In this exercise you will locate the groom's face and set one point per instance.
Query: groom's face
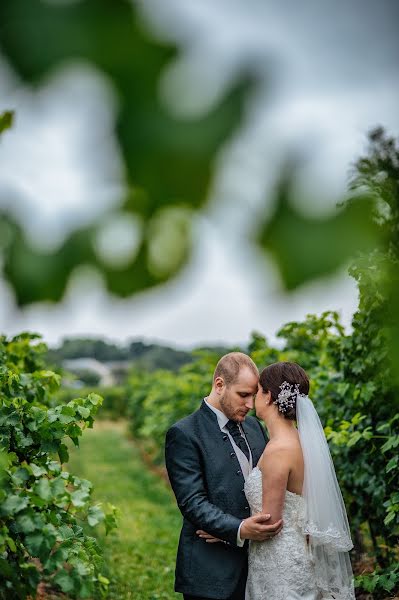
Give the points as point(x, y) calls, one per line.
point(238, 398)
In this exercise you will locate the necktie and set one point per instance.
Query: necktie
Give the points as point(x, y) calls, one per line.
point(239, 440)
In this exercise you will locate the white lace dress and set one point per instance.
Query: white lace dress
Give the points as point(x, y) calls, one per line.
point(280, 568)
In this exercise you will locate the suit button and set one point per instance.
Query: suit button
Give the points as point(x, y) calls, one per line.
point(232, 454)
point(238, 472)
point(247, 508)
point(225, 437)
point(243, 490)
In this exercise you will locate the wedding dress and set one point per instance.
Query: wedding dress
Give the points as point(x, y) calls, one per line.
point(280, 568)
point(286, 567)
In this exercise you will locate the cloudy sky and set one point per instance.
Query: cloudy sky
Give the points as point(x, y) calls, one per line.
point(330, 75)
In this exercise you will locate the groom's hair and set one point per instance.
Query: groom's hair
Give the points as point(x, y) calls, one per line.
point(230, 364)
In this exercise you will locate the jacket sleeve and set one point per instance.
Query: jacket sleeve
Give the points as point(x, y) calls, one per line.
point(183, 464)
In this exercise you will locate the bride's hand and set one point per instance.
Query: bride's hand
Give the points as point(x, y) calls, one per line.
point(210, 539)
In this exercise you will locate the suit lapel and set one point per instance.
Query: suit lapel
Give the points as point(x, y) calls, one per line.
point(222, 445)
point(253, 434)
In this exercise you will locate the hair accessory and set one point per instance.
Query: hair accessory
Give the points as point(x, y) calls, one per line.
point(287, 397)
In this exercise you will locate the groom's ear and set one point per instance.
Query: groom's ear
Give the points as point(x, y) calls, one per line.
point(219, 384)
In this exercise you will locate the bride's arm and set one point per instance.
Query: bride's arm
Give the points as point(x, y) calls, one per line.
point(275, 467)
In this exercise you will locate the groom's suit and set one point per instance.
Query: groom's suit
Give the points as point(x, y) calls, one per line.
point(208, 483)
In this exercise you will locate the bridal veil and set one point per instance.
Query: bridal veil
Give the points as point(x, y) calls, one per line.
point(326, 521)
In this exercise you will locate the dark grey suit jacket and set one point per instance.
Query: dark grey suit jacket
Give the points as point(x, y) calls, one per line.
point(209, 487)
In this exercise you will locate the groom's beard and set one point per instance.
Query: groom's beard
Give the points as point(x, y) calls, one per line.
point(230, 409)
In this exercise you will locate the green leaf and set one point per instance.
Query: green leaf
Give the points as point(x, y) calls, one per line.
point(68, 410)
point(63, 453)
point(37, 471)
point(13, 504)
point(64, 580)
point(84, 412)
point(394, 498)
point(95, 515)
point(6, 569)
point(43, 489)
point(168, 162)
point(6, 120)
point(66, 418)
point(11, 544)
point(305, 247)
point(65, 532)
point(58, 487)
point(392, 442)
point(95, 399)
point(389, 518)
point(20, 476)
point(25, 524)
point(80, 498)
point(33, 543)
point(392, 464)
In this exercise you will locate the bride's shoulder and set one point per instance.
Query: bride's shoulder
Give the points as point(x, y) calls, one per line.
point(281, 447)
point(274, 449)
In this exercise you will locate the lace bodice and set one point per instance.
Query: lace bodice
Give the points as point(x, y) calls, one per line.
point(294, 506)
point(280, 568)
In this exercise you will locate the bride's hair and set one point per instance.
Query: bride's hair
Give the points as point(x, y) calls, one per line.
point(272, 378)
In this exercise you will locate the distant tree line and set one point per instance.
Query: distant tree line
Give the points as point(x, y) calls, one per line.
point(142, 355)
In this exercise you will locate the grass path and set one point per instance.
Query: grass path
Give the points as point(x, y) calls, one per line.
point(140, 555)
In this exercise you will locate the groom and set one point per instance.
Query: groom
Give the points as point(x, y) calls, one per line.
point(209, 454)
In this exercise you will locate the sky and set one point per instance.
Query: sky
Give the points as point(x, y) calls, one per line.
point(330, 74)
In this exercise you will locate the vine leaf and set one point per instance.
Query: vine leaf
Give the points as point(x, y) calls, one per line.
point(169, 160)
point(306, 247)
point(6, 120)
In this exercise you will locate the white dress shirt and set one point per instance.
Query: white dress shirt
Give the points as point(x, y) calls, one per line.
point(245, 464)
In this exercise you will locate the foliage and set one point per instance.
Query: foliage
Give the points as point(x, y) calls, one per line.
point(115, 399)
point(355, 380)
point(87, 377)
point(139, 556)
point(42, 506)
point(6, 120)
point(138, 353)
point(378, 174)
point(159, 399)
point(380, 581)
point(308, 254)
point(169, 162)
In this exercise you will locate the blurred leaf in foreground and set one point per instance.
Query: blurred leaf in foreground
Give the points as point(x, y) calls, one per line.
point(169, 160)
point(6, 120)
point(305, 248)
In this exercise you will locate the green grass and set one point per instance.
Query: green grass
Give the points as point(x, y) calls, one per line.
point(140, 555)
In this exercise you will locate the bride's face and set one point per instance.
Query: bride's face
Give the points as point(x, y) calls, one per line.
point(238, 398)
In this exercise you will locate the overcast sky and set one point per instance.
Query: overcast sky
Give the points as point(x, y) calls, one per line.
point(334, 77)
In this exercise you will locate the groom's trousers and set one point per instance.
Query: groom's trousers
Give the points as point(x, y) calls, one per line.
point(238, 594)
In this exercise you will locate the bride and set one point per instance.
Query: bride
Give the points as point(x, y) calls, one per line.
point(295, 480)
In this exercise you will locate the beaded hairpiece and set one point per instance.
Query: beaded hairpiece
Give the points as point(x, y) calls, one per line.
point(287, 397)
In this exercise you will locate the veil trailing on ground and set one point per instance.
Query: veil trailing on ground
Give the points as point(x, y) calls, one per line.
point(326, 521)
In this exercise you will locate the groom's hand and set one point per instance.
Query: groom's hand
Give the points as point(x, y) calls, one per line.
point(210, 539)
point(255, 528)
